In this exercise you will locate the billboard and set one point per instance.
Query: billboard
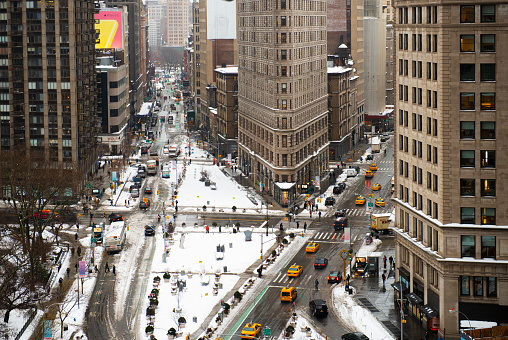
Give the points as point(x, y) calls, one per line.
point(110, 28)
point(221, 19)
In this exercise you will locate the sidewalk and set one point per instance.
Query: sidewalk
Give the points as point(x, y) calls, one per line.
point(379, 301)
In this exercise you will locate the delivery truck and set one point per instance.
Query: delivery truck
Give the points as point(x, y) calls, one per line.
point(380, 222)
point(375, 146)
point(114, 239)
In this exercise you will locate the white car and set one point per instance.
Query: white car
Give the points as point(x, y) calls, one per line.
point(165, 151)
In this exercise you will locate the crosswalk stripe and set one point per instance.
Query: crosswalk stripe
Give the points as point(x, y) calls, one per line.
point(307, 280)
point(277, 278)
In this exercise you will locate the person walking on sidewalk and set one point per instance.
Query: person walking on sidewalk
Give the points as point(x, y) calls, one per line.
point(106, 268)
point(391, 262)
point(114, 270)
point(304, 226)
point(383, 277)
point(207, 229)
point(384, 261)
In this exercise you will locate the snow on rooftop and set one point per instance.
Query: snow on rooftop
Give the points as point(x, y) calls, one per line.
point(227, 70)
point(338, 69)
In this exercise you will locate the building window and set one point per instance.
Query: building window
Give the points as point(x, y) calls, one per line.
point(488, 158)
point(284, 88)
point(488, 130)
point(283, 38)
point(283, 71)
point(488, 42)
point(283, 21)
point(467, 215)
point(488, 101)
point(488, 247)
point(467, 14)
point(478, 286)
point(467, 158)
point(468, 245)
point(467, 130)
point(467, 101)
point(284, 141)
point(488, 72)
point(284, 123)
point(464, 285)
point(488, 13)
point(283, 54)
point(488, 216)
point(282, 4)
point(284, 160)
point(467, 72)
point(467, 187)
point(284, 104)
point(488, 187)
point(467, 43)
point(491, 287)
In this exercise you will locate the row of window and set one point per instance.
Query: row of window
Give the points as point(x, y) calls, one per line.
point(487, 159)
point(487, 216)
point(432, 237)
point(417, 149)
point(417, 96)
point(418, 122)
point(487, 43)
point(482, 286)
point(432, 207)
point(487, 13)
point(417, 42)
point(468, 130)
point(468, 246)
point(468, 187)
point(487, 101)
point(417, 69)
point(487, 72)
point(417, 14)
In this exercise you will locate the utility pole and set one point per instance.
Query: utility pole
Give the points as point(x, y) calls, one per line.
point(400, 301)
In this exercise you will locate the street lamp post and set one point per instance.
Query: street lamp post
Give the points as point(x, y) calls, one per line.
point(452, 311)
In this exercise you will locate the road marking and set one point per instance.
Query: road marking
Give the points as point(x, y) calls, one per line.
point(244, 315)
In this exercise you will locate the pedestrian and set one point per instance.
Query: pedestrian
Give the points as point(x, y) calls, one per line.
point(79, 251)
point(106, 268)
point(297, 224)
point(91, 216)
point(347, 279)
point(96, 269)
point(72, 251)
point(59, 267)
point(76, 266)
point(383, 277)
point(316, 283)
point(310, 213)
point(174, 217)
point(60, 281)
point(391, 262)
point(319, 215)
point(75, 236)
point(260, 270)
point(281, 227)
point(384, 261)
point(207, 229)
point(158, 218)
point(77, 226)
point(305, 226)
point(114, 270)
point(68, 271)
point(220, 227)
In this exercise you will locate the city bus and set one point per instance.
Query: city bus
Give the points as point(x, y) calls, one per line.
point(115, 237)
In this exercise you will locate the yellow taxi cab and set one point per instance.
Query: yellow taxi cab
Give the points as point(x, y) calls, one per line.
point(369, 174)
point(373, 167)
point(288, 294)
point(376, 186)
point(360, 200)
point(380, 202)
point(250, 331)
point(294, 270)
point(312, 247)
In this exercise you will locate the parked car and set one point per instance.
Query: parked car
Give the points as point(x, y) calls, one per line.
point(354, 336)
point(137, 179)
point(320, 263)
point(144, 204)
point(149, 230)
point(135, 186)
point(318, 307)
point(329, 201)
point(114, 217)
point(135, 193)
point(334, 277)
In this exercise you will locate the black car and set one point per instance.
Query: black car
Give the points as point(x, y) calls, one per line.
point(384, 139)
point(114, 217)
point(137, 179)
point(329, 201)
point(144, 150)
point(354, 336)
point(149, 230)
point(136, 185)
point(144, 205)
point(148, 190)
point(320, 262)
point(340, 213)
point(340, 223)
point(334, 277)
point(318, 307)
point(337, 190)
point(370, 157)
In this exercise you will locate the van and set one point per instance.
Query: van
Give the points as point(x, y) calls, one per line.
point(340, 223)
point(288, 294)
point(351, 172)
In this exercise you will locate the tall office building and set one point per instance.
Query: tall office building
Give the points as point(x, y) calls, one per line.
point(282, 95)
point(157, 14)
point(451, 111)
point(178, 27)
point(47, 87)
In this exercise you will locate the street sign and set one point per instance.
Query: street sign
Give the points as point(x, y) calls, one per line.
point(94, 240)
point(267, 332)
point(88, 185)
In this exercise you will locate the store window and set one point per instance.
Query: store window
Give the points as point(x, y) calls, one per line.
point(467, 101)
point(464, 285)
point(467, 130)
point(492, 287)
point(488, 216)
point(467, 187)
point(488, 247)
point(467, 215)
point(478, 286)
point(468, 248)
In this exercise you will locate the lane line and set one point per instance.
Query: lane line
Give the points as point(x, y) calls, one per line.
point(244, 315)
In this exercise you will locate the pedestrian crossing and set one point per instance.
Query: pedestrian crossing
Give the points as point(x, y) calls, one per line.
point(334, 237)
point(284, 280)
point(362, 211)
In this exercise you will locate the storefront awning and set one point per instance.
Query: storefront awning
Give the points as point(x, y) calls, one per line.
point(397, 286)
point(413, 298)
point(428, 311)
